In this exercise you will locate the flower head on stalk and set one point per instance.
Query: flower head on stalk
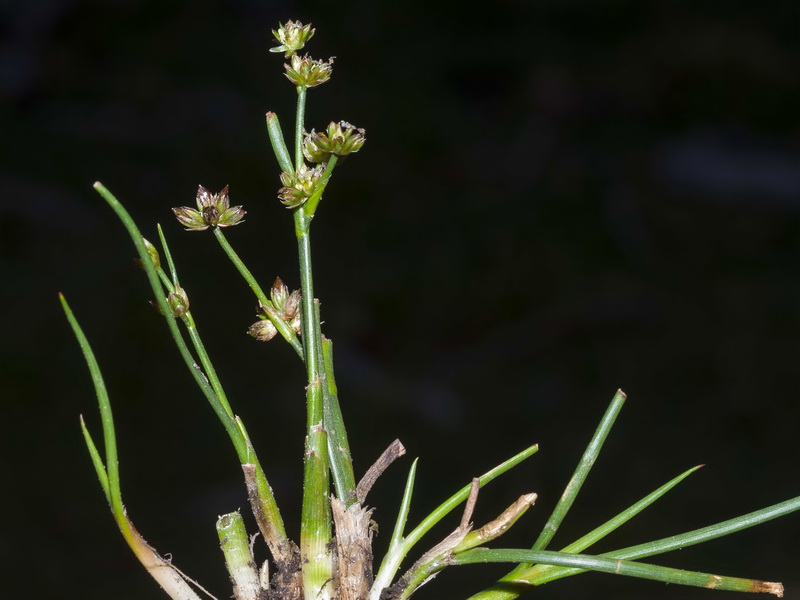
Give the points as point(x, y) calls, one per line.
point(305, 71)
point(292, 37)
point(152, 251)
point(178, 302)
point(340, 139)
point(299, 186)
point(286, 306)
point(213, 210)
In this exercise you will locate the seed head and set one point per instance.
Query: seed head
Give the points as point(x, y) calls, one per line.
point(263, 330)
point(178, 302)
point(285, 307)
point(213, 210)
point(152, 252)
point(289, 310)
point(278, 293)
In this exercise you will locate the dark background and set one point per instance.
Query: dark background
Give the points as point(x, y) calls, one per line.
point(556, 199)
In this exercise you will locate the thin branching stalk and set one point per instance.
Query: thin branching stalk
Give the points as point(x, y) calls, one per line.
point(283, 328)
point(243, 449)
point(158, 291)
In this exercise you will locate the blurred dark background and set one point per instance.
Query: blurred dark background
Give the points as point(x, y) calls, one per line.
point(556, 199)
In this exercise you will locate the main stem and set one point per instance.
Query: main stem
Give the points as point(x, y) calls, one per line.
point(315, 534)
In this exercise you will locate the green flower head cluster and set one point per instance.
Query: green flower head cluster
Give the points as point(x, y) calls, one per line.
point(291, 37)
point(299, 186)
point(303, 71)
point(285, 306)
point(340, 139)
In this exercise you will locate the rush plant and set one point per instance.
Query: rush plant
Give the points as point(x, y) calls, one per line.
point(331, 558)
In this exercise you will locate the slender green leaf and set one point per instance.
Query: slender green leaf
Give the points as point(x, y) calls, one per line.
point(690, 538)
point(392, 560)
point(579, 477)
point(619, 567)
point(168, 255)
point(453, 501)
point(626, 515)
point(576, 482)
point(405, 506)
point(278, 143)
point(110, 483)
point(338, 446)
point(397, 548)
point(97, 461)
point(538, 571)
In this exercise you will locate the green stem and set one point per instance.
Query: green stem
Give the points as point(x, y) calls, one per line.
point(275, 535)
point(160, 299)
point(315, 525)
point(238, 439)
point(238, 556)
point(311, 204)
point(299, 126)
point(283, 328)
point(208, 367)
point(316, 516)
point(191, 327)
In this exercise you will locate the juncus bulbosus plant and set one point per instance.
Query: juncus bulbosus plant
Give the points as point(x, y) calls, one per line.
point(332, 558)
